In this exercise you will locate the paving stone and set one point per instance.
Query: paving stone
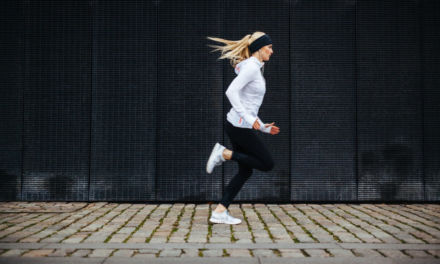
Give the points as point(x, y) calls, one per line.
point(435, 252)
point(190, 252)
point(170, 253)
point(61, 252)
point(340, 252)
point(291, 252)
point(142, 256)
point(81, 253)
point(317, 253)
point(14, 252)
point(123, 253)
point(38, 253)
point(235, 252)
point(362, 252)
point(418, 254)
point(101, 253)
point(392, 253)
point(147, 251)
point(263, 253)
point(213, 253)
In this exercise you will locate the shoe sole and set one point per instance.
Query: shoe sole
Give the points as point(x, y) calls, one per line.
point(222, 222)
point(211, 157)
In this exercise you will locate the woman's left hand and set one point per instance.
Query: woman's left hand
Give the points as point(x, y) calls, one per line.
point(274, 129)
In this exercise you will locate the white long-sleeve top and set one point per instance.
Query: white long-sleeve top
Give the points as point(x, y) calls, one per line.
point(246, 93)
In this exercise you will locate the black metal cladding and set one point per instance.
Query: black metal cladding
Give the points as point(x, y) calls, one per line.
point(323, 111)
point(56, 100)
point(11, 99)
point(123, 101)
point(123, 108)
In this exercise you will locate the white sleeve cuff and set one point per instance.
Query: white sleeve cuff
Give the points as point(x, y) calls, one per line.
point(263, 128)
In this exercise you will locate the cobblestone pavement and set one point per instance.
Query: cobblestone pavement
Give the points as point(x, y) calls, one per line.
point(53, 232)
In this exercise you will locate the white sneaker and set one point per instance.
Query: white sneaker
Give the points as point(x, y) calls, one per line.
point(223, 218)
point(216, 158)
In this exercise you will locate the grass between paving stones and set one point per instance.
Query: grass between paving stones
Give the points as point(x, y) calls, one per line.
point(233, 238)
point(125, 223)
point(57, 222)
point(328, 252)
point(251, 253)
point(264, 224)
point(368, 222)
point(277, 252)
point(406, 253)
point(176, 223)
point(27, 225)
point(422, 213)
point(302, 227)
point(68, 254)
point(291, 234)
point(400, 228)
point(247, 223)
point(209, 234)
point(225, 253)
point(24, 252)
point(79, 218)
point(405, 223)
point(346, 229)
point(396, 211)
point(429, 253)
point(141, 224)
point(304, 252)
point(190, 224)
point(13, 217)
point(74, 221)
point(113, 252)
point(147, 240)
point(201, 251)
point(358, 226)
point(8, 225)
point(99, 217)
point(335, 237)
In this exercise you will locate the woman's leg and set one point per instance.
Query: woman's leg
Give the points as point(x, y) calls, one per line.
point(249, 152)
point(237, 182)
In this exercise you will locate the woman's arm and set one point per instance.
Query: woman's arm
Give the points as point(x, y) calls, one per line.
point(246, 75)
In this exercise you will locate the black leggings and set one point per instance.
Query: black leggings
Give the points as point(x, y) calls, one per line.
point(250, 153)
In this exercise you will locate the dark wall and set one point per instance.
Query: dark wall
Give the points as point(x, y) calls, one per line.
point(123, 100)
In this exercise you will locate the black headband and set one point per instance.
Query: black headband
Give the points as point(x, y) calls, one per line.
point(260, 42)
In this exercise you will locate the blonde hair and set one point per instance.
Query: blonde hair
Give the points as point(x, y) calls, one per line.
point(235, 50)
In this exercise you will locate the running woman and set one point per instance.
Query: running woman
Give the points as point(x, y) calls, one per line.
point(245, 93)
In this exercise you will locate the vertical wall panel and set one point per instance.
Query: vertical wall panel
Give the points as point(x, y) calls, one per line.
point(56, 100)
point(123, 136)
point(430, 28)
point(323, 100)
point(389, 101)
point(11, 99)
point(190, 100)
point(123, 100)
point(246, 17)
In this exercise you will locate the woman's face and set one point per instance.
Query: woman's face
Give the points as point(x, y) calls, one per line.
point(266, 52)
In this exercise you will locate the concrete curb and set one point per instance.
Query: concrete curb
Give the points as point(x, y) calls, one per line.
point(218, 246)
point(216, 260)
